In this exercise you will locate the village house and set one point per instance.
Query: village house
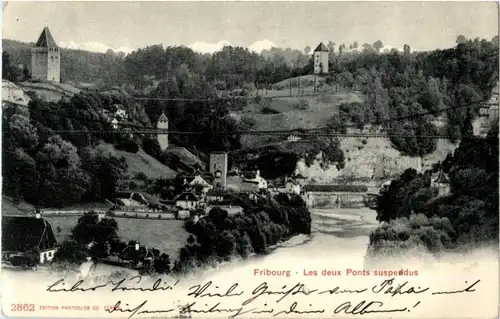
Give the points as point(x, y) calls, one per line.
point(254, 176)
point(119, 111)
point(201, 181)
point(188, 200)
point(137, 201)
point(136, 253)
point(25, 238)
point(214, 196)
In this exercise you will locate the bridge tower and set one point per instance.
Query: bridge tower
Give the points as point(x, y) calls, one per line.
point(163, 138)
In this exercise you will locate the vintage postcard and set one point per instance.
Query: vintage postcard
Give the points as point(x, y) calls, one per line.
point(250, 159)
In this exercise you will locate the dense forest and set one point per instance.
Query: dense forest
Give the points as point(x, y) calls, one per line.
point(448, 85)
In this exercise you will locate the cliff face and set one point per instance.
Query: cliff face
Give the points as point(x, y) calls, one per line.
point(371, 160)
point(14, 94)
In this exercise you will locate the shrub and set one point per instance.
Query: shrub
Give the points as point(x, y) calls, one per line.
point(268, 110)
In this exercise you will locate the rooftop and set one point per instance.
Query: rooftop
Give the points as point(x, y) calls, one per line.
point(46, 40)
point(321, 48)
point(23, 234)
point(188, 196)
point(163, 118)
point(441, 178)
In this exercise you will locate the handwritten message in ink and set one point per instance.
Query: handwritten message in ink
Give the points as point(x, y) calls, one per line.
point(231, 300)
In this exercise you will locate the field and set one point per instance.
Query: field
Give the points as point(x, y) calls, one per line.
point(166, 235)
point(51, 92)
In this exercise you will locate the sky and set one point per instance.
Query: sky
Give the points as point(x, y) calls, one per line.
point(208, 26)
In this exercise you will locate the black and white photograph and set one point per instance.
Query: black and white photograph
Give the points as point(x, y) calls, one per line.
point(264, 159)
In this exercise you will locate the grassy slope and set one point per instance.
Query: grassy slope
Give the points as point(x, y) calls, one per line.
point(140, 162)
point(52, 92)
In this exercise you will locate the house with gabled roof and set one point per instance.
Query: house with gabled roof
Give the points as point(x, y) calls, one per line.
point(187, 200)
point(46, 58)
point(254, 177)
point(26, 237)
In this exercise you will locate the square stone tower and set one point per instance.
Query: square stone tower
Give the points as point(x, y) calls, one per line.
point(218, 167)
point(321, 54)
point(46, 59)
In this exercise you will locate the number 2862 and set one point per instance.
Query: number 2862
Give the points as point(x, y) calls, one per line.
point(22, 307)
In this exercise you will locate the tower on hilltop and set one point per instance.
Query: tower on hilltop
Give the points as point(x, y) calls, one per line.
point(163, 138)
point(218, 167)
point(46, 58)
point(321, 54)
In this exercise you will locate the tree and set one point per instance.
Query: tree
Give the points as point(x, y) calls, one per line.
point(461, 39)
point(9, 71)
point(342, 48)
point(307, 49)
point(331, 46)
point(367, 47)
point(377, 45)
point(406, 49)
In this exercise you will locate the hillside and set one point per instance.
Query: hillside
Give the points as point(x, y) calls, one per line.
point(139, 162)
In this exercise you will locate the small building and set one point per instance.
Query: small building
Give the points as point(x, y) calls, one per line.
point(25, 238)
point(321, 54)
point(254, 177)
point(119, 111)
point(214, 196)
point(136, 253)
point(138, 201)
point(293, 138)
point(292, 186)
point(442, 183)
point(187, 200)
point(202, 180)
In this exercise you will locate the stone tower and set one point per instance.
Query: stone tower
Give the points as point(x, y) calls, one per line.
point(163, 138)
point(46, 59)
point(218, 167)
point(321, 59)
